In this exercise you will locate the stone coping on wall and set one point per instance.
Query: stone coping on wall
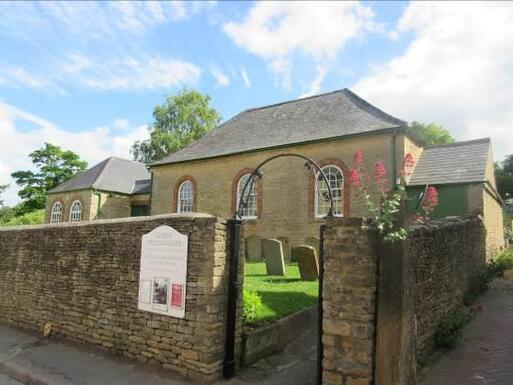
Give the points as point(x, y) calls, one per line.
point(185, 216)
point(260, 342)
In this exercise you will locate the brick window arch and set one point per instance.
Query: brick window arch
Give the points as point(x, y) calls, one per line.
point(176, 192)
point(312, 190)
point(258, 190)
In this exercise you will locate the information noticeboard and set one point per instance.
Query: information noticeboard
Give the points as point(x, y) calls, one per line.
point(163, 272)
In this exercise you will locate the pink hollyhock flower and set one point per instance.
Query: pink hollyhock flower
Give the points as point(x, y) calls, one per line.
point(431, 197)
point(358, 158)
point(355, 177)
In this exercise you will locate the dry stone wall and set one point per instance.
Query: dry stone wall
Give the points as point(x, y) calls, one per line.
point(83, 279)
point(446, 255)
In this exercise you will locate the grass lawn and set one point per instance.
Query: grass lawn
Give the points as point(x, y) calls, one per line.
point(281, 296)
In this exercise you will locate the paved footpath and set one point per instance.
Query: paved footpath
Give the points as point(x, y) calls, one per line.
point(484, 354)
point(27, 358)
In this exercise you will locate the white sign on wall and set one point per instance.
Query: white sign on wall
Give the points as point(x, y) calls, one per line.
point(163, 273)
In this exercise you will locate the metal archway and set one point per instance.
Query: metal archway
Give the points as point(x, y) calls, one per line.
point(234, 224)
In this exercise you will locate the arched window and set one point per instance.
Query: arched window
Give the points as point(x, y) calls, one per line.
point(185, 197)
point(56, 214)
point(336, 182)
point(75, 214)
point(250, 211)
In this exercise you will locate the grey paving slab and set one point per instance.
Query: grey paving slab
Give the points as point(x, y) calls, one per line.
point(484, 354)
point(4, 380)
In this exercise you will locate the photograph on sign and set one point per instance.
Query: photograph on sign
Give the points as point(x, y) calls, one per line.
point(160, 293)
point(177, 296)
point(163, 272)
point(145, 291)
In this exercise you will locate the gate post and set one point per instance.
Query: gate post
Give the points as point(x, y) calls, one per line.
point(233, 290)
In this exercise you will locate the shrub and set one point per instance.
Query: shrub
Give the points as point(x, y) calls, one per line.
point(33, 218)
point(252, 305)
point(504, 261)
point(449, 328)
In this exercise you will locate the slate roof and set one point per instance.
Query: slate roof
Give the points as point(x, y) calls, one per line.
point(314, 118)
point(113, 174)
point(461, 162)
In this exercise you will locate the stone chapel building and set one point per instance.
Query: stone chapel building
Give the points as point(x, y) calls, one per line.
point(207, 176)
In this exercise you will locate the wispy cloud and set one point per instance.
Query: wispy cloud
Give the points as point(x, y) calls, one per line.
point(245, 78)
point(222, 80)
point(92, 145)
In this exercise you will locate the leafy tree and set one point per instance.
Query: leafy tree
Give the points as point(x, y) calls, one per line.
point(432, 133)
point(54, 166)
point(2, 189)
point(183, 118)
point(504, 176)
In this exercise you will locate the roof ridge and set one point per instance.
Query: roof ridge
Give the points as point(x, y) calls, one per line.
point(291, 101)
point(461, 143)
point(96, 180)
point(357, 100)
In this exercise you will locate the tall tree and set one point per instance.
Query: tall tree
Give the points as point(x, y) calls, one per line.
point(432, 133)
point(504, 176)
point(53, 166)
point(2, 189)
point(181, 119)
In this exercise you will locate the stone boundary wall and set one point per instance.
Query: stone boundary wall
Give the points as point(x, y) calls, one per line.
point(349, 309)
point(83, 279)
point(265, 340)
point(445, 255)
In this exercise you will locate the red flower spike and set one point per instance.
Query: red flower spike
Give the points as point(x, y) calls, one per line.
point(431, 197)
point(355, 177)
point(408, 163)
point(380, 175)
point(358, 158)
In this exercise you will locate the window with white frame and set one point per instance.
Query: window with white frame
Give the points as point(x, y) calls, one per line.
point(250, 197)
point(185, 197)
point(75, 214)
point(336, 182)
point(56, 213)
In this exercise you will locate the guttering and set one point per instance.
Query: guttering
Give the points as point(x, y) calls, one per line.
point(98, 202)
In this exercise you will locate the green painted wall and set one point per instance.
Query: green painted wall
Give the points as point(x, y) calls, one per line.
point(453, 200)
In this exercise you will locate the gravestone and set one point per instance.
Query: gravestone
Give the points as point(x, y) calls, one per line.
point(273, 256)
point(307, 261)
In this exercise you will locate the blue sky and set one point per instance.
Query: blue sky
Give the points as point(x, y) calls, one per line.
point(87, 75)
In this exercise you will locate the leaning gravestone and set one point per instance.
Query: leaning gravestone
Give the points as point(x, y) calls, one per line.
point(273, 256)
point(307, 261)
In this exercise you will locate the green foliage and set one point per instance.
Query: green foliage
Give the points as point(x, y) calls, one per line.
point(480, 283)
point(281, 295)
point(252, 305)
point(53, 167)
point(2, 189)
point(431, 133)
point(183, 118)
point(32, 218)
point(448, 329)
point(504, 177)
point(6, 214)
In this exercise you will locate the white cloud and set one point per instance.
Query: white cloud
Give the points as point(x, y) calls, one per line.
point(91, 20)
point(319, 30)
point(222, 80)
point(127, 73)
point(245, 78)
point(456, 71)
point(315, 85)
point(93, 145)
